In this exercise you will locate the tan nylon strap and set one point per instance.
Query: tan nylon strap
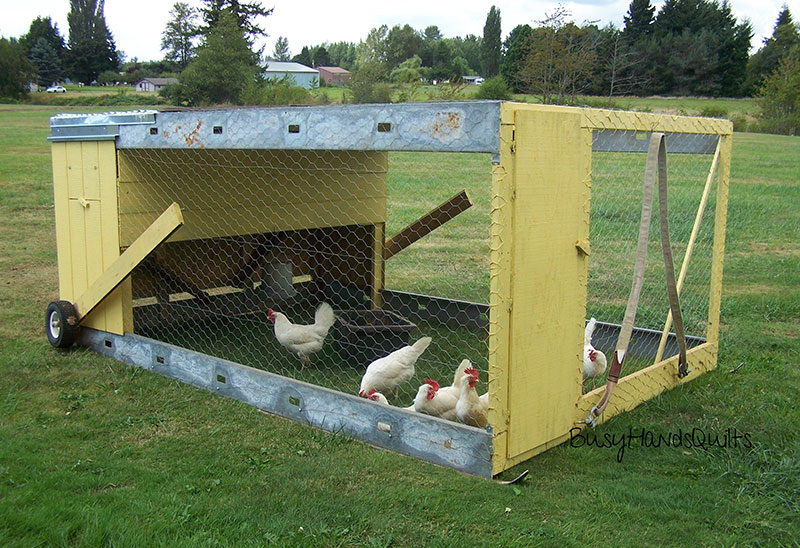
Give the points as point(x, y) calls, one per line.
point(624, 338)
point(655, 168)
point(666, 249)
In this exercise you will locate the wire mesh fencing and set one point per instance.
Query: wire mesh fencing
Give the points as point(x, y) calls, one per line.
point(319, 227)
point(271, 235)
point(616, 209)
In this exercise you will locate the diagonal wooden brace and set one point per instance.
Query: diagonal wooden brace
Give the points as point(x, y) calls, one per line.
point(427, 223)
point(161, 229)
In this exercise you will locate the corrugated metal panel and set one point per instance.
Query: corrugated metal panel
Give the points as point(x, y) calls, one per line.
point(428, 438)
point(436, 127)
point(95, 127)
point(637, 141)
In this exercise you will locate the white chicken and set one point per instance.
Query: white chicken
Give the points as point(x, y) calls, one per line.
point(472, 409)
point(594, 361)
point(388, 373)
point(303, 340)
point(430, 400)
point(374, 395)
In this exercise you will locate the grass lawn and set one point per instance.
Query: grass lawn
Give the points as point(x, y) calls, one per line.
point(96, 453)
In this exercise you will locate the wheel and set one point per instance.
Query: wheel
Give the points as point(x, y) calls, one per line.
point(61, 324)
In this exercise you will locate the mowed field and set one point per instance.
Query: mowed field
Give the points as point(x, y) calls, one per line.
point(96, 453)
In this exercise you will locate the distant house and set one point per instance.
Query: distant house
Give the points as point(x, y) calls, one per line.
point(154, 84)
point(334, 75)
point(300, 74)
point(472, 79)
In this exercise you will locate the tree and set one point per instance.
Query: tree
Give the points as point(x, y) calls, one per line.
point(430, 37)
point(224, 66)
point(560, 58)
point(694, 27)
point(408, 71)
point(281, 50)
point(47, 63)
point(515, 49)
point(402, 43)
point(43, 27)
point(373, 48)
point(638, 21)
point(91, 45)
point(304, 57)
point(766, 60)
point(490, 48)
point(616, 70)
point(245, 14)
point(178, 36)
point(343, 54)
point(320, 57)
point(366, 86)
point(15, 70)
point(780, 96)
point(470, 49)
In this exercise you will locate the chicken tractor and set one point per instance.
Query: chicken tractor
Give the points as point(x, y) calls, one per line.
point(466, 283)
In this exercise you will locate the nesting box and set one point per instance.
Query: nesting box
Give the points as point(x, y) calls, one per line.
point(497, 228)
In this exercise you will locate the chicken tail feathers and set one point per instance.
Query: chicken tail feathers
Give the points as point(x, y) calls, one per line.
point(463, 366)
point(420, 346)
point(589, 331)
point(324, 318)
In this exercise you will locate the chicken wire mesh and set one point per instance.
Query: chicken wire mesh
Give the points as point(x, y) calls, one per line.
point(214, 294)
point(616, 208)
point(212, 290)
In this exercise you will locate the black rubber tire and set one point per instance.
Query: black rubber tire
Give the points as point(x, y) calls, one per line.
point(61, 324)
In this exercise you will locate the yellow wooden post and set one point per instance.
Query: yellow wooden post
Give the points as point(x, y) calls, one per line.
point(500, 289)
point(720, 224)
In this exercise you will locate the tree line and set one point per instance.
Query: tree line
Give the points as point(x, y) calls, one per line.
point(686, 47)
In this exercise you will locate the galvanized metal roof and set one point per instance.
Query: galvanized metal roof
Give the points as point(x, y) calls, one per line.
point(283, 66)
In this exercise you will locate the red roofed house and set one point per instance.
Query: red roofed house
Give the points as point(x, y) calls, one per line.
point(334, 75)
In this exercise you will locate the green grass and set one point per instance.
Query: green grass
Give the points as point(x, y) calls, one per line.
point(96, 453)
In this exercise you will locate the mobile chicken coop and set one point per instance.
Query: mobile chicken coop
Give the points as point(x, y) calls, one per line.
point(496, 228)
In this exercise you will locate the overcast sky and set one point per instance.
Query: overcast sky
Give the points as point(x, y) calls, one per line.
point(137, 24)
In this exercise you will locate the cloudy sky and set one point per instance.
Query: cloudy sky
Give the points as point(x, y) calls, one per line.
point(137, 24)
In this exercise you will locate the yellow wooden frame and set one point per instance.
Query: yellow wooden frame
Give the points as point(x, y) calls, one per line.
point(545, 170)
point(541, 200)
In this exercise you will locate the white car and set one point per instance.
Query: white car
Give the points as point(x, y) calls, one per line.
point(56, 89)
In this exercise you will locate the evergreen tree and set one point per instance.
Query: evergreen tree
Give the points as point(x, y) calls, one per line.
point(639, 20)
point(491, 46)
point(281, 50)
point(430, 36)
point(177, 38)
point(784, 39)
point(245, 13)
point(43, 27)
point(320, 57)
point(304, 57)
point(224, 67)
point(703, 51)
point(343, 54)
point(402, 43)
point(91, 45)
point(15, 70)
point(47, 63)
point(780, 96)
point(515, 49)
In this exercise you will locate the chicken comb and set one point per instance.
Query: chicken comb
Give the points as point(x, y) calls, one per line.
point(433, 383)
point(472, 372)
point(371, 393)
